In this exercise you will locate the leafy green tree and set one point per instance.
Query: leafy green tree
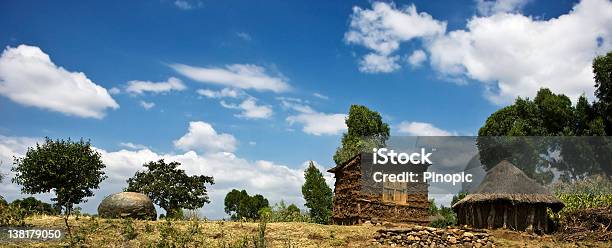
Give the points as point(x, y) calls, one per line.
point(70, 169)
point(365, 130)
point(317, 194)
point(32, 206)
point(239, 204)
point(602, 68)
point(548, 114)
point(170, 188)
point(293, 209)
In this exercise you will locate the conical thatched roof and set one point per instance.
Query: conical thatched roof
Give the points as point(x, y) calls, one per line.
point(505, 182)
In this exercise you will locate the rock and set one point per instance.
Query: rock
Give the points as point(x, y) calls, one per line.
point(127, 205)
point(468, 234)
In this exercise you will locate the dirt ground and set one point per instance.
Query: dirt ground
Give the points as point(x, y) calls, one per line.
point(93, 232)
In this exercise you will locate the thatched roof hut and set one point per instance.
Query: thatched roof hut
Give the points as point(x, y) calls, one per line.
point(508, 198)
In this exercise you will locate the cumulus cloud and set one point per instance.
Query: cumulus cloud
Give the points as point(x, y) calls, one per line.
point(29, 77)
point(509, 53)
point(242, 76)
point(489, 7)
point(417, 58)
point(376, 63)
point(382, 29)
point(275, 181)
point(250, 109)
point(224, 93)
point(141, 87)
point(422, 129)
point(514, 55)
point(202, 137)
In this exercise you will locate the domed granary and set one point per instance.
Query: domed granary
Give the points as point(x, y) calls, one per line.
point(127, 205)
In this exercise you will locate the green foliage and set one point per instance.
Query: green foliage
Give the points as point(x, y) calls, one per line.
point(365, 131)
point(602, 68)
point(433, 209)
point(448, 218)
point(11, 215)
point(260, 240)
point(33, 206)
point(548, 114)
point(317, 194)
point(591, 192)
point(239, 205)
point(280, 212)
point(129, 232)
point(171, 237)
point(170, 188)
point(70, 169)
point(458, 197)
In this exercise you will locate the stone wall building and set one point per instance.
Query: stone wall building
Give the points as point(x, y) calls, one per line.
point(358, 199)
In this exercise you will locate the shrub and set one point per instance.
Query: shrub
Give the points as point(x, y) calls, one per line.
point(32, 206)
point(12, 215)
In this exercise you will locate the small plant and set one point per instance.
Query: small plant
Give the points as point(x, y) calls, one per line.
point(260, 240)
point(129, 232)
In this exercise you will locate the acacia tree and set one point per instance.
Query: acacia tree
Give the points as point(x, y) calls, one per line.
point(170, 188)
point(70, 169)
point(317, 194)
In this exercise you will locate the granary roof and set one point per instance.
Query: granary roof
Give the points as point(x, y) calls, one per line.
point(507, 182)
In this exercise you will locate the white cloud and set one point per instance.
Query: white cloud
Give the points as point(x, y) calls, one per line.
point(274, 181)
point(376, 63)
point(225, 92)
point(242, 76)
point(250, 109)
point(422, 129)
point(382, 29)
point(141, 87)
point(29, 77)
point(514, 55)
point(489, 7)
point(313, 122)
point(147, 105)
point(245, 36)
point(509, 53)
point(202, 137)
point(321, 96)
point(187, 4)
point(417, 58)
point(114, 91)
point(319, 123)
point(132, 146)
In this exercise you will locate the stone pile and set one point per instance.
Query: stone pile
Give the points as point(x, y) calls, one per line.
point(419, 236)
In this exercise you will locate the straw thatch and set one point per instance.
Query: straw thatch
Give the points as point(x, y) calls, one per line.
point(505, 182)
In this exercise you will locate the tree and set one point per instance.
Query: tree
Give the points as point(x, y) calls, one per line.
point(548, 114)
point(32, 206)
point(317, 194)
point(238, 204)
point(602, 68)
point(70, 169)
point(365, 131)
point(170, 188)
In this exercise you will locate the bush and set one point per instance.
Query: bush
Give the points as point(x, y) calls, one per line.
point(280, 212)
point(12, 215)
point(448, 218)
point(33, 206)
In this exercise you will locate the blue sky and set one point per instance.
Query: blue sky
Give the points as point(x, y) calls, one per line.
point(289, 70)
